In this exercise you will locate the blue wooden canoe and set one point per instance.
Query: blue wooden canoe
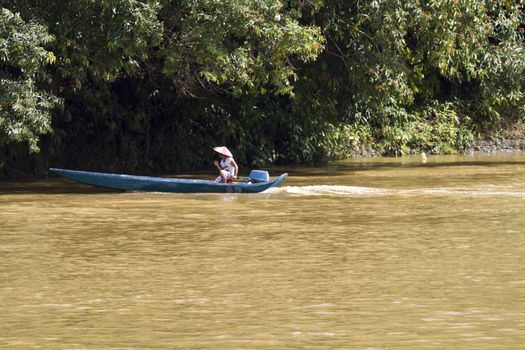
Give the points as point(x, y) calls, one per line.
point(163, 184)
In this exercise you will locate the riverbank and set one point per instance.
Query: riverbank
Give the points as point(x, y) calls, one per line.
point(498, 145)
point(510, 141)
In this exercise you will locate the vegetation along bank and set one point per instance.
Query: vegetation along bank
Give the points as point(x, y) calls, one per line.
point(148, 86)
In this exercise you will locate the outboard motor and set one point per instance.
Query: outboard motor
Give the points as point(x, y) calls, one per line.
point(259, 176)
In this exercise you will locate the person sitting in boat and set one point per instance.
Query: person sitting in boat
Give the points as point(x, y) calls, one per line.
point(227, 166)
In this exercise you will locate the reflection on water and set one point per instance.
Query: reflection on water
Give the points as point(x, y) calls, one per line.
point(384, 253)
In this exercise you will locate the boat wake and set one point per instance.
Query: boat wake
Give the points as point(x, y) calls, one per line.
point(341, 190)
point(330, 190)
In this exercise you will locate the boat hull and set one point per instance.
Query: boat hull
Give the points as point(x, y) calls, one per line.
point(163, 184)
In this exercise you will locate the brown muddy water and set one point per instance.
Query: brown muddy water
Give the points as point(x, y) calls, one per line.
point(361, 254)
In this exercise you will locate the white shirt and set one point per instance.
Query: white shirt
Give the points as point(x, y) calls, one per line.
point(226, 164)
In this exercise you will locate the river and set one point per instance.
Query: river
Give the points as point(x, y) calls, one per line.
point(387, 253)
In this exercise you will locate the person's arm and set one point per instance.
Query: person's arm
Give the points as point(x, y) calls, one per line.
point(216, 163)
point(235, 168)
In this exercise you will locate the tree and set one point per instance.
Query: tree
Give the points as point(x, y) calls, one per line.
point(401, 71)
point(25, 106)
point(124, 69)
point(241, 45)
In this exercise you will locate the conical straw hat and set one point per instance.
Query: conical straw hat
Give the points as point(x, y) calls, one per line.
point(223, 150)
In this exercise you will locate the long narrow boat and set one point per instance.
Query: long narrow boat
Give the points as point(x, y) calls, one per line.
point(163, 184)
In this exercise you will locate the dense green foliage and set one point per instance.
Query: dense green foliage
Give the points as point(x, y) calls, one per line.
point(24, 106)
point(153, 84)
point(421, 75)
